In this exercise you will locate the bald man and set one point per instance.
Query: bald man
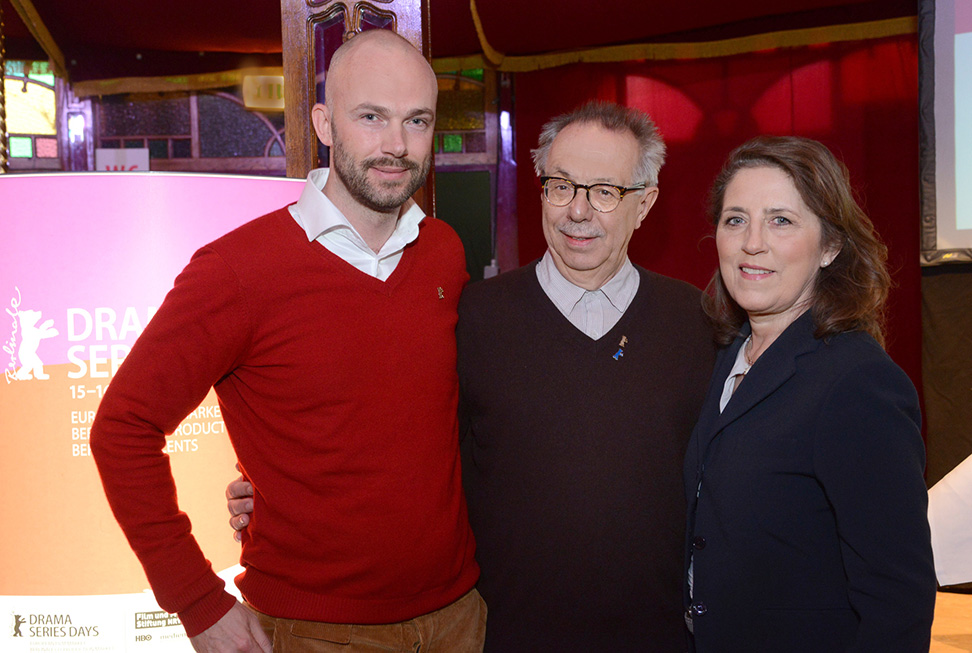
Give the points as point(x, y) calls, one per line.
point(327, 330)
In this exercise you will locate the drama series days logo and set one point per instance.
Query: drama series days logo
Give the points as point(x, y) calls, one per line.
point(18, 622)
point(25, 337)
point(50, 626)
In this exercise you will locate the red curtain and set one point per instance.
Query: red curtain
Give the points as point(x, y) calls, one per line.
point(859, 98)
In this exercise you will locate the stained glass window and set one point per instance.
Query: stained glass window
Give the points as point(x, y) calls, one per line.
point(21, 147)
point(144, 114)
point(225, 136)
point(466, 118)
point(452, 142)
point(31, 107)
point(462, 101)
point(228, 129)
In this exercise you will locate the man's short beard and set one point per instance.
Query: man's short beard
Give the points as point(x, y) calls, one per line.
point(383, 196)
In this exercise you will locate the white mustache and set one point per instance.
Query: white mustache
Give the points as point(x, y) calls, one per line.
point(575, 231)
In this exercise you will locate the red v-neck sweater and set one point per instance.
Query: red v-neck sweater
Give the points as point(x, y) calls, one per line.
point(339, 394)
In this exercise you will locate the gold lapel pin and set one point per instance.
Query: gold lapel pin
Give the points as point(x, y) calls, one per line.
point(620, 352)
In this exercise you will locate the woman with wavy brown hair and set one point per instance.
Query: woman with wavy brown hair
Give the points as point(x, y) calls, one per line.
point(807, 526)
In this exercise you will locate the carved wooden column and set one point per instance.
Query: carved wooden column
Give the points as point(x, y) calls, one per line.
point(75, 130)
point(312, 31)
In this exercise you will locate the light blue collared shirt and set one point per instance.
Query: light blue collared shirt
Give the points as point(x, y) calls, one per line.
point(593, 312)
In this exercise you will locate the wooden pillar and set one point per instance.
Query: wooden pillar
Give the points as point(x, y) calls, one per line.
point(75, 130)
point(312, 31)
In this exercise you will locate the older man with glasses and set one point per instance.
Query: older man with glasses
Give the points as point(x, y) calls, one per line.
point(582, 376)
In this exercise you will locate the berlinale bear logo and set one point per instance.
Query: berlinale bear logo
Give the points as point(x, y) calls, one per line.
point(25, 338)
point(18, 622)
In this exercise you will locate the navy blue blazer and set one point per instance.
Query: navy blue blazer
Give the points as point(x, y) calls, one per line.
point(807, 518)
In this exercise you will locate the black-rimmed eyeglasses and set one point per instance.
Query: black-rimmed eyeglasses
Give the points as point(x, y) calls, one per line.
point(602, 197)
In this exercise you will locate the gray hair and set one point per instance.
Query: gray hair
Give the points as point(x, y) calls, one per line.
point(613, 117)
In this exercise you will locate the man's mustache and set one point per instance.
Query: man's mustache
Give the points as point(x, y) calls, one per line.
point(390, 162)
point(577, 231)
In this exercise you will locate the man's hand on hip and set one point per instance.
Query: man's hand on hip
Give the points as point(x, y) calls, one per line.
point(237, 631)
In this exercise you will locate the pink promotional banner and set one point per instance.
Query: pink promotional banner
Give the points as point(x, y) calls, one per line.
point(88, 259)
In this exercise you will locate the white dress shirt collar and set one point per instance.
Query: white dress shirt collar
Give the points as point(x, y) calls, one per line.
point(619, 290)
point(322, 221)
point(601, 308)
point(740, 366)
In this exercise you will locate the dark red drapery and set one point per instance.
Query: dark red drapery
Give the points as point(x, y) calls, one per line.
point(859, 98)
